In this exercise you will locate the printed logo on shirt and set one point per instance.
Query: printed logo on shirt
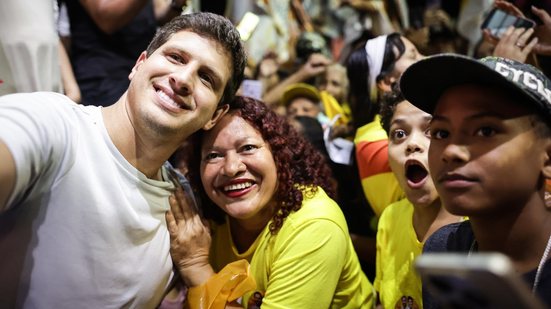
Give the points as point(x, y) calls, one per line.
point(256, 300)
point(406, 302)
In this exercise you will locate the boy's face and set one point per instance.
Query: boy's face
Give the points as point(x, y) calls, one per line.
point(485, 157)
point(303, 107)
point(408, 147)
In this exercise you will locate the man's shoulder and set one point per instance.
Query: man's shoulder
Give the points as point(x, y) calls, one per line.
point(455, 237)
point(46, 96)
point(44, 105)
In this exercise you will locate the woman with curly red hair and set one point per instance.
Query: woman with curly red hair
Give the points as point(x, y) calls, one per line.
point(274, 189)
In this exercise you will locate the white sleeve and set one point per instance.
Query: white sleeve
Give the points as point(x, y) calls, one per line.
point(35, 129)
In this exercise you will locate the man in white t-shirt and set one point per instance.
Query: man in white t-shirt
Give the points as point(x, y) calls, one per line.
point(83, 189)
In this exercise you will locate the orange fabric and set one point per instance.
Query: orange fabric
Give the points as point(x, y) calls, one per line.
point(372, 158)
point(379, 184)
point(229, 284)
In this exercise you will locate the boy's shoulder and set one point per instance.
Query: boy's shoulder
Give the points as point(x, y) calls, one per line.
point(455, 237)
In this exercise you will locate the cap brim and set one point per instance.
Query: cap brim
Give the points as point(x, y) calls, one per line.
point(424, 82)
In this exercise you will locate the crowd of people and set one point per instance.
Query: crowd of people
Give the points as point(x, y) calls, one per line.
point(180, 154)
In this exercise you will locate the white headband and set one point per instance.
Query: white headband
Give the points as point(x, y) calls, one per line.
point(375, 49)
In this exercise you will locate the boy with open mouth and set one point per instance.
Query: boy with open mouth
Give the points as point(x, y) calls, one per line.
point(405, 225)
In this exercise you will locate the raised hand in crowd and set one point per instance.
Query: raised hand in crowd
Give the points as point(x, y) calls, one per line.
point(543, 32)
point(516, 43)
point(314, 66)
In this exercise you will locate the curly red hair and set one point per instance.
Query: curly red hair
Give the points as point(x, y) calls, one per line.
point(300, 167)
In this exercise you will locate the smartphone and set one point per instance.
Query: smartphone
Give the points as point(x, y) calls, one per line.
point(479, 280)
point(497, 21)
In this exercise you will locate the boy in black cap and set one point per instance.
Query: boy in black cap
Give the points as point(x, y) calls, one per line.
point(490, 156)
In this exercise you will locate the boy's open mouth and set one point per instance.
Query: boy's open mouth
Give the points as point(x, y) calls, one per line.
point(416, 173)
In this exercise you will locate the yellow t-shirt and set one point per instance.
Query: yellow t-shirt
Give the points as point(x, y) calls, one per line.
point(309, 263)
point(397, 248)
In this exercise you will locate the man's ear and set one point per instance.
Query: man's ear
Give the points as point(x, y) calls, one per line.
point(141, 59)
point(218, 114)
point(385, 84)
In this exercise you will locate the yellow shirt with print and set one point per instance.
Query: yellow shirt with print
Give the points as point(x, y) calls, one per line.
point(309, 263)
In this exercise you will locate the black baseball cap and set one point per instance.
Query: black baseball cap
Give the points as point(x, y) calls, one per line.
point(425, 81)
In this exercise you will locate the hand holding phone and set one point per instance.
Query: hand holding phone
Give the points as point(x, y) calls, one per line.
point(498, 21)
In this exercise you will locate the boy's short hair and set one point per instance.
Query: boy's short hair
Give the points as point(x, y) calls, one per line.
point(389, 101)
point(425, 81)
point(216, 28)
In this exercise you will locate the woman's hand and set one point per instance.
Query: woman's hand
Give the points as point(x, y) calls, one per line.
point(189, 239)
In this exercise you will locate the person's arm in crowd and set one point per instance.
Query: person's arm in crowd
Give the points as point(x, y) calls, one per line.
point(268, 73)
point(315, 65)
point(543, 32)
point(111, 15)
point(7, 175)
point(70, 85)
point(166, 10)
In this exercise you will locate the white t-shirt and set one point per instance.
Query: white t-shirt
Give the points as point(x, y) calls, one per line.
point(83, 228)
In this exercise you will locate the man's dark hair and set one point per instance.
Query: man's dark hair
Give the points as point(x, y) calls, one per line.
point(213, 27)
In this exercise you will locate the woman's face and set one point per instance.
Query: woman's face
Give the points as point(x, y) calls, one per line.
point(410, 56)
point(238, 171)
point(334, 82)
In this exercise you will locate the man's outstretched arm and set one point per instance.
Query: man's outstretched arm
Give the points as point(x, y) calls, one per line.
point(7, 175)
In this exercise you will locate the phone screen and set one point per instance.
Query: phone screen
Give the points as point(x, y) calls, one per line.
point(498, 21)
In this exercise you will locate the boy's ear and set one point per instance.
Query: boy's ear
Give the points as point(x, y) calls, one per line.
point(139, 62)
point(385, 84)
point(547, 163)
point(218, 114)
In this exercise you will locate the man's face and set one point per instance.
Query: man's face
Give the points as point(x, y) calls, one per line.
point(485, 157)
point(176, 90)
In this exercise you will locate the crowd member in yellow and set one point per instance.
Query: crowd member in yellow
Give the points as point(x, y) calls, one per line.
point(377, 64)
point(302, 99)
point(273, 192)
point(333, 86)
point(405, 225)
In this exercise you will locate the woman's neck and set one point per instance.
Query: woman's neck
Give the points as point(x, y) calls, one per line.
point(244, 234)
